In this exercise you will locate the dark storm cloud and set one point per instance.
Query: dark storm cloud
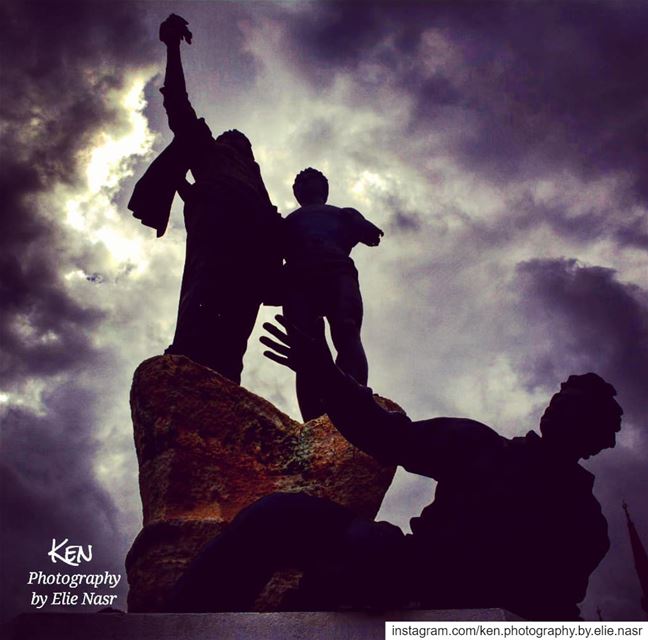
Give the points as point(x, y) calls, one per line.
point(48, 490)
point(403, 219)
point(620, 478)
point(582, 318)
point(580, 218)
point(531, 88)
point(596, 322)
point(59, 61)
point(607, 217)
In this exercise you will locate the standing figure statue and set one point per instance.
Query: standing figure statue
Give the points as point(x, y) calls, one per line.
point(231, 223)
point(321, 280)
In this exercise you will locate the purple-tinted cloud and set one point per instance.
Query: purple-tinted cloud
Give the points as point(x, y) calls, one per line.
point(59, 63)
point(48, 489)
point(581, 318)
point(531, 88)
point(595, 321)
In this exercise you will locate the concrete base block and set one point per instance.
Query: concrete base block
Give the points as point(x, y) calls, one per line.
point(228, 626)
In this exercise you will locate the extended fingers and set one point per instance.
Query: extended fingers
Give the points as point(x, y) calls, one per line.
point(282, 361)
point(279, 348)
point(276, 332)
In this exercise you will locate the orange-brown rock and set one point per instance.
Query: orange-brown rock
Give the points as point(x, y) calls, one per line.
point(207, 448)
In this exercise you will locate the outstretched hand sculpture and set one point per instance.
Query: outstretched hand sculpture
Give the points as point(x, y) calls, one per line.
point(514, 523)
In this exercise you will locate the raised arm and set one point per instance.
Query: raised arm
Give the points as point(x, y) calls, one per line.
point(365, 231)
point(181, 115)
point(436, 448)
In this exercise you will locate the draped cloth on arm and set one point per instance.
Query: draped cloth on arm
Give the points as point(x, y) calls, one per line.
point(154, 192)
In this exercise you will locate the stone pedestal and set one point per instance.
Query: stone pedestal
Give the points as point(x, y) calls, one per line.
point(207, 448)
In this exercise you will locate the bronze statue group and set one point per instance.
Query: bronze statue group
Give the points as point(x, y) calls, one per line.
point(514, 523)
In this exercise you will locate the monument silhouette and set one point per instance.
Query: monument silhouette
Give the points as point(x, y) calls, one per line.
point(232, 249)
point(321, 280)
point(514, 522)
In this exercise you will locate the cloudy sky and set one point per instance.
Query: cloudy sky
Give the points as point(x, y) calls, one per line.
point(502, 147)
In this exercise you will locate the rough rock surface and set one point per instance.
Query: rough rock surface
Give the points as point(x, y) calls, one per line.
point(207, 448)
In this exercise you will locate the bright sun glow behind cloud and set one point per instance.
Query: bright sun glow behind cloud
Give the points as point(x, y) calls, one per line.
point(91, 210)
point(109, 160)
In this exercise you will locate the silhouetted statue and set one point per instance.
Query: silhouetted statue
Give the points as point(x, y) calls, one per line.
point(230, 222)
point(514, 523)
point(321, 279)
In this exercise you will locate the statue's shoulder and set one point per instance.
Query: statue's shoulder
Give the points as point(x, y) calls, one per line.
point(464, 432)
point(314, 209)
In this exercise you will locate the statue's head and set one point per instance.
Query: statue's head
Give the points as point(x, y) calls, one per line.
point(583, 418)
point(238, 141)
point(311, 187)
